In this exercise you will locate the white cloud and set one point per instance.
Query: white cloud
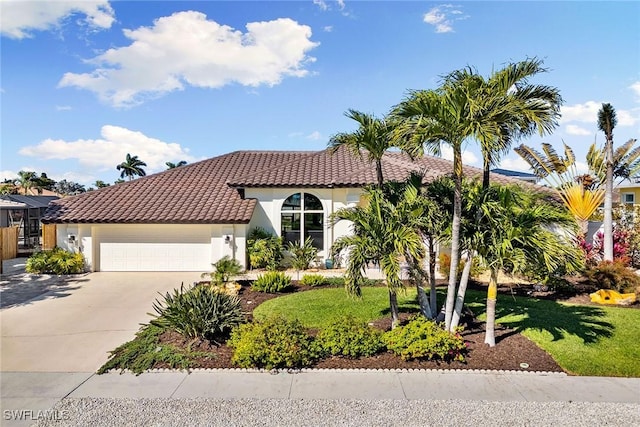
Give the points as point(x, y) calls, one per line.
point(585, 113)
point(635, 87)
point(314, 136)
point(442, 17)
point(63, 107)
point(327, 29)
point(577, 130)
point(7, 174)
point(321, 4)
point(187, 49)
point(588, 113)
point(20, 18)
point(468, 157)
point(515, 164)
point(110, 150)
point(628, 117)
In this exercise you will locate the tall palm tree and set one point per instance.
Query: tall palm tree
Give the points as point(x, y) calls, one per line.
point(131, 167)
point(606, 122)
point(427, 119)
point(373, 135)
point(171, 165)
point(520, 232)
point(382, 234)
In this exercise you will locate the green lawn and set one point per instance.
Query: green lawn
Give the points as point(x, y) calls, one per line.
point(317, 308)
point(584, 340)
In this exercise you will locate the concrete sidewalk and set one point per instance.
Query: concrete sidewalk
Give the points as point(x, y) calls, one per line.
point(24, 393)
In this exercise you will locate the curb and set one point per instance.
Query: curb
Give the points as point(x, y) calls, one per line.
point(312, 370)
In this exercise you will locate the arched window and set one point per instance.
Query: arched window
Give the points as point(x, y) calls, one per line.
point(302, 216)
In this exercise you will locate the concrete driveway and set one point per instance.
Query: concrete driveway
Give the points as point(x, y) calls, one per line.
point(73, 331)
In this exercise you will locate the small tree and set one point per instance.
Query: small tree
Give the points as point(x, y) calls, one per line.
point(302, 255)
point(223, 270)
point(264, 249)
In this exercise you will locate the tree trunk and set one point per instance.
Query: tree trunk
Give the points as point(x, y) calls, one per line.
point(462, 289)
point(423, 301)
point(433, 298)
point(379, 173)
point(608, 193)
point(393, 305)
point(455, 235)
point(492, 293)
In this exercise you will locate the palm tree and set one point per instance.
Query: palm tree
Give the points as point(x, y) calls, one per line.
point(606, 122)
point(171, 165)
point(373, 135)
point(132, 166)
point(27, 180)
point(519, 230)
point(382, 233)
point(427, 119)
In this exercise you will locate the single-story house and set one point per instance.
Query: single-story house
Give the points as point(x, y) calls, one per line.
point(186, 218)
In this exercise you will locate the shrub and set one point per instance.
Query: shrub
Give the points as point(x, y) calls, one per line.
point(223, 270)
point(422, 338)
point(55, 261)
point(272, 282)
point(302, 255)
point(199, 312)
point(613, 275)
point(145, 351)
point(272, 343)
point(313, 280)
point(347, 336)
point(445, 264)
point(264, 249)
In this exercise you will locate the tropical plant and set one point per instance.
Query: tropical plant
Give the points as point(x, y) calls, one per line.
point(346, 336)
point(519, 230)
point(199, 312)
point(171, 165)
point(382, 233)
point(26, 181)
point(68, 188)
point(373, 135)
point(275, 342)
point(272, 282)
point(424, 339)
point(302, 255)
point(223, 270)
point(578, 192)
point(613, 275)
point(147, 350)
point(264, 249)
point(131, 167)
point(101, 184)
point(56, 261)
point(313, 280)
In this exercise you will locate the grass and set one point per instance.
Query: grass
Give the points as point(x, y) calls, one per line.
point(584, 340)
point(317, 308)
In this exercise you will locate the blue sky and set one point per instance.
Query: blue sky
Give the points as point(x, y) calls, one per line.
point(83, 83)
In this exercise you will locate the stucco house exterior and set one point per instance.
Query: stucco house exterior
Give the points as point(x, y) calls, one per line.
point(186, 218)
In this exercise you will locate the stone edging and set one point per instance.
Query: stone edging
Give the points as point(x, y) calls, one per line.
point(303, 370)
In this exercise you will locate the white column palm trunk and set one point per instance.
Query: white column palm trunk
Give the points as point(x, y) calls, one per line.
point(455, 238)
point(492, 294)
point(462, 290)
point(608, 195)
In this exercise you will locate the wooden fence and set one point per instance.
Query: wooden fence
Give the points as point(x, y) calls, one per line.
point(9, 242)
point(48, 236)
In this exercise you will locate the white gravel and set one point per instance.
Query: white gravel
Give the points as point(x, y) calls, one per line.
point(285, 412)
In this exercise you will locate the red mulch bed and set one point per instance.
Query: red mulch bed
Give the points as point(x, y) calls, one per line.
point(512, 349)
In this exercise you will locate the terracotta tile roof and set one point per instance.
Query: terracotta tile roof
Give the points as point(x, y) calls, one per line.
point(205, 192)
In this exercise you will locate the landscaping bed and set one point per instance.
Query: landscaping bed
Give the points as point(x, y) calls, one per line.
point(513, 352)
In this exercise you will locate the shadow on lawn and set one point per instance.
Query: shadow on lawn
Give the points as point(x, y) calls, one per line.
point(585, 322)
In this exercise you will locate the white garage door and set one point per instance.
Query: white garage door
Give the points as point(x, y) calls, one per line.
point(155, 248)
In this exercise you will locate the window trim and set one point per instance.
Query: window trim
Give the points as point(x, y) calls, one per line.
point(632, 201)
point(302, 211)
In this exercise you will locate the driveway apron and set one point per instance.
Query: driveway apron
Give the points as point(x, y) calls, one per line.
point(75, 330)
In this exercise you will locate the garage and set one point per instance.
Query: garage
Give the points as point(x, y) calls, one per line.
point(153, 247)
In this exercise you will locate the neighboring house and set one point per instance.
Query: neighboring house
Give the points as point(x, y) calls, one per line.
point(628, 193)
point(186, 218)
point(26, 213)
point(522, 176)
